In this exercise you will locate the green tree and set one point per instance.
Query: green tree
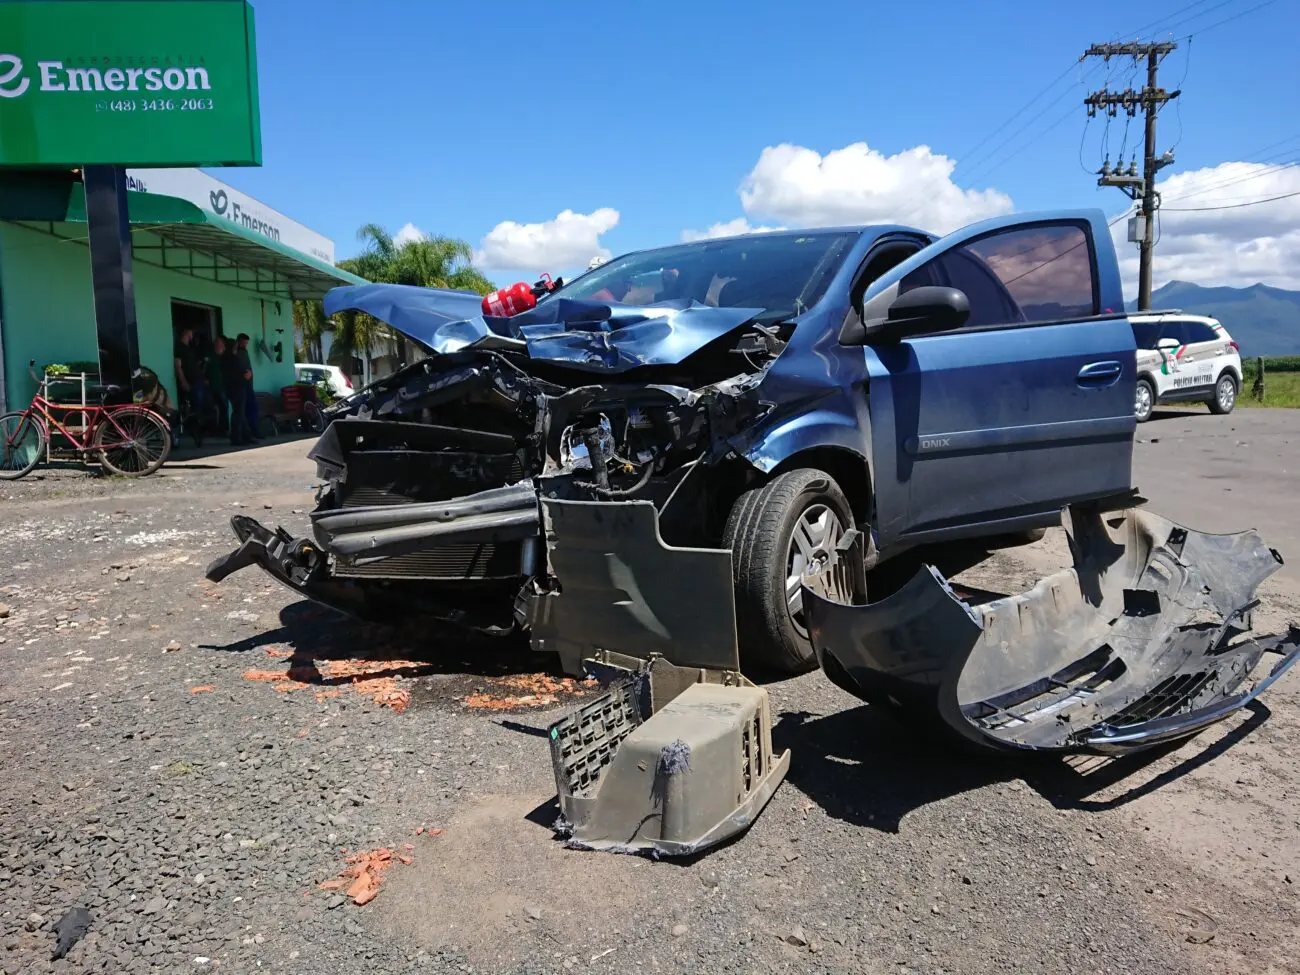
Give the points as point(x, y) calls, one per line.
point(309, 324)
point(428, 261)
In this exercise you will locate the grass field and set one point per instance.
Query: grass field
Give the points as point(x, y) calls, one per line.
point(1281, 382)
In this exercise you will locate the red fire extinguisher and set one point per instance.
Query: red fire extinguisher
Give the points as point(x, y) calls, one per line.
point(509, 301)
point(519, 297)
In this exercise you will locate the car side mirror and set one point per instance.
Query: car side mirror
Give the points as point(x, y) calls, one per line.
point(926, 309)
point(1167, 344)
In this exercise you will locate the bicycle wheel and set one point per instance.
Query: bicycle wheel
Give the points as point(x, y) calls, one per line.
point(312, 418)
point(22, 445)
point(132, 441)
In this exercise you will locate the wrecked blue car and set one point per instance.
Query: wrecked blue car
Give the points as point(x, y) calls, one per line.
point(669, 453)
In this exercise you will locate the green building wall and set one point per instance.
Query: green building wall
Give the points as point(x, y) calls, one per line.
point(49, 314)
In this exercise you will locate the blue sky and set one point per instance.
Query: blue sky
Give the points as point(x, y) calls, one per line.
point(456, 117)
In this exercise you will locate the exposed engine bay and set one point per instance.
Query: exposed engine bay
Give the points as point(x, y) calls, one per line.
point(439, 479)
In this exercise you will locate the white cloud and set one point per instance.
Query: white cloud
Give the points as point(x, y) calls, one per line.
point(570, 240)
point(730, 228)
point(1240, 246)
point(857, 184)
point(408, 234)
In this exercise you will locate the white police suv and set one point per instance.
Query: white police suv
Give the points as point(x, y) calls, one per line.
point(1184, 359)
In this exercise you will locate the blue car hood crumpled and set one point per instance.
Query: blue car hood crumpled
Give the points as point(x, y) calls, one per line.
point(594, 336)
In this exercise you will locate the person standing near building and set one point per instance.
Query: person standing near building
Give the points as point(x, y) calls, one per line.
point(237, 379)
point(214, 369)
point(191, 385)
point(250, 398)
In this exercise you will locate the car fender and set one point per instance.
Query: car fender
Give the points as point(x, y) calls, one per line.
point(770, 446)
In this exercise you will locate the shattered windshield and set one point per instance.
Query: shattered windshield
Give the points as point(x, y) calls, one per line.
point(783, 273)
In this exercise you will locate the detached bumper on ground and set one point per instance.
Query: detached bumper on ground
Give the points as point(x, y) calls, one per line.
point(1144, 640)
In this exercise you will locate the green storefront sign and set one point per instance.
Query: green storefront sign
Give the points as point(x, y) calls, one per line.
point(128, 83)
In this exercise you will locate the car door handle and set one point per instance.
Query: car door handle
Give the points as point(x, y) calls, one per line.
point(1100, 374)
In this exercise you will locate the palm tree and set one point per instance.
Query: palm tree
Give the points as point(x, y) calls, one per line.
point(309, 324)
point(428, 262)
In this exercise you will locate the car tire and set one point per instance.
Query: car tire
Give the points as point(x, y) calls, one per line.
point(1144, 400)
point(1225, 395)
point(772, 531)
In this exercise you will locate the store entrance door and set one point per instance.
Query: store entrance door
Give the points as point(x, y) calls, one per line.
point(204, 319)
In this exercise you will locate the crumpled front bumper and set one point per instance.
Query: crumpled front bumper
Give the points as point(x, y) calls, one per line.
point(1143, 640)
point(609, 582)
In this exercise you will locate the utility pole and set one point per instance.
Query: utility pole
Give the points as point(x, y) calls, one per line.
point(1149, 100)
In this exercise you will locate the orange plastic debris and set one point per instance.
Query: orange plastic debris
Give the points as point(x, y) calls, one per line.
point(203, 688)
point(268, 676)
point(531, 690)
point(375, 679)
point(364, 874)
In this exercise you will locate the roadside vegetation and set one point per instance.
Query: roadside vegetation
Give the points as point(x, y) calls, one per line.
point(427, 261)
point(1281, 381)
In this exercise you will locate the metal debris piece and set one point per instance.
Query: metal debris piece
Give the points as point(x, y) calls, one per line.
point(72, 927)
point(1143, 640)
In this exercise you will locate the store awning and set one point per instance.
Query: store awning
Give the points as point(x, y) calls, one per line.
point(177, 235)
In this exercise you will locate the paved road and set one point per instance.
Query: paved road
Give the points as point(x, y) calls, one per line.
point(1226, 473)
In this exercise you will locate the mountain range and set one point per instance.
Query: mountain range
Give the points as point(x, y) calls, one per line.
point(1262, 320)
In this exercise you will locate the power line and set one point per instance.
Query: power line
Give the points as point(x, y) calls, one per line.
point(1232, 206)
point(1228, 20)
point(1015, 115)
point(1290, 138)
point(1082, 139)
point(1149, 100)
point(1233, 181)
point(1161, 20)
point(1197, 16)
point(994, 157)
point(1178, 105)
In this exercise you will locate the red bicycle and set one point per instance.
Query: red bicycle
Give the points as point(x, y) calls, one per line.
point(127, 439)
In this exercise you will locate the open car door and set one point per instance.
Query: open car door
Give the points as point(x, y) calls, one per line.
point(1027, 405)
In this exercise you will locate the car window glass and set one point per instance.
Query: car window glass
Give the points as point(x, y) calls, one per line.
point(784, 274)
point(1199, 332)
point(990, 304)
point(1024, 274)
point(1047, 270)
point(1146, 334)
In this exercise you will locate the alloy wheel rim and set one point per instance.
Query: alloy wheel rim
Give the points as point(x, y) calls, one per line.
point(1227, 394)
point(1143, 401)
point(813, 560)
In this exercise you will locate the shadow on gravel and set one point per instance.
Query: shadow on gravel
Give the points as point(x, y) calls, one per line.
point(315, 633)
point(1072, 784)
point(1164, 413)
point(860, 766)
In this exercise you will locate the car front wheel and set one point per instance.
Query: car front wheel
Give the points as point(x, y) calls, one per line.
point(1144, 400)
point(782, 535)
point(1225, 395)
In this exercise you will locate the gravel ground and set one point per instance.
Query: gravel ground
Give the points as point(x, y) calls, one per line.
point(195, 812)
